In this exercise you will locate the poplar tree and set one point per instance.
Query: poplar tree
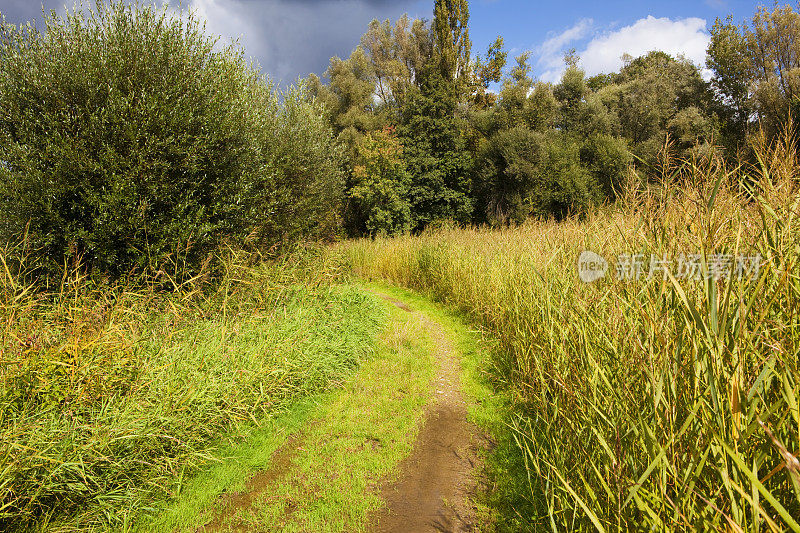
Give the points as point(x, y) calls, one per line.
point(451, 38)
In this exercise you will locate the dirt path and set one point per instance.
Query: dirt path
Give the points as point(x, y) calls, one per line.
point(440, 478)
point(364, 434)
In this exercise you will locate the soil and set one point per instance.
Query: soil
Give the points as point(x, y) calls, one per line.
point(440, 478)
point(257, 485)
point(437, 482)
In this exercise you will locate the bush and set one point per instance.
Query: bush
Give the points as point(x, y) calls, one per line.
point(565, 186)
point(523, 172)
point(507, 172)
point(126, 137)
point(607, 158)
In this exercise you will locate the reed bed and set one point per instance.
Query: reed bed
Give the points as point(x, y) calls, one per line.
point(110, 396)
point(663, 403)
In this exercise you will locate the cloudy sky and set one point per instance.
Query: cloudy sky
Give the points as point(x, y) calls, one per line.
point(290, 38)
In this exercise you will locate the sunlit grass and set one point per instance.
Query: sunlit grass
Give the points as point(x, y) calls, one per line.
point(662, 403)
point(111, 397)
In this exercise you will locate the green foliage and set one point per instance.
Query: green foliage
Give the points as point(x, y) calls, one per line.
point(487, 71)
point(571, 94)
point(521, 172)
point(608, 159)
point(651, 90)
point(564, 187)
point(507, 171)
point(380, 185)
point(513, 104)
point(127, 137)
point(727, 58)
point(773, 40)
point(300, 184)
point(542, 108)
point(452, 46)
point(436, 154)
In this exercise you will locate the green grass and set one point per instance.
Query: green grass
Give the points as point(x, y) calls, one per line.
point(245, 454)
point(112, 397)
point(350, 441)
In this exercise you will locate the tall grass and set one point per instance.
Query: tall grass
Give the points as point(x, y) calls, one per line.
point(111, 395)
point(653, 404)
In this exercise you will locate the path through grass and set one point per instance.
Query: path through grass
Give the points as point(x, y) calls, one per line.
point(328, 463)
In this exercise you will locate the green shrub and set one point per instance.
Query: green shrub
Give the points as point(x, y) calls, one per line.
point(523, 172)
point(127, 136)
point(607, 158)
point(507, 171)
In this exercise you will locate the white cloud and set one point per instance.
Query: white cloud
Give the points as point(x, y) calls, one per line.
point(687, 37)
point(551, 52)
point(603, 54)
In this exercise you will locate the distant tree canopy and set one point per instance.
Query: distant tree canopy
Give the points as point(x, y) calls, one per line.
point(756, 70)
point(529, 148)
point(128, 139)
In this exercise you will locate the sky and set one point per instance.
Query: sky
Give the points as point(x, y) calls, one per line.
point(292, 38)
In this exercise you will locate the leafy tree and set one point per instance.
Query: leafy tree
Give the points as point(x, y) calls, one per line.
point(397, 54)
point(348, 99)
point(488, 71)
point(378, 193)
point(563, 186)
point(514, 95)
point(650, 91)
point(436, 154)
point(580, 112)
point(727, 57)
point(571, 94)
point(774, 48)
point(127, 137)
point(300, 184)
point(522, 172)
point(541, 110)
point(452, 44)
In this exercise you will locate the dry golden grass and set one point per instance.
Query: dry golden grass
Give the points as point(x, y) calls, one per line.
point(654, 404)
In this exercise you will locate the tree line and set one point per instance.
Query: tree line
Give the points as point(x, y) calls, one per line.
point(426, 140)
point(131, 140)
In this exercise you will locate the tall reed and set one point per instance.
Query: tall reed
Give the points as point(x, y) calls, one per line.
point(659, 403)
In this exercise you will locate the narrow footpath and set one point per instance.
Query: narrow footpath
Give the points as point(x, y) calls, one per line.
point(390, 451)
point(439, 479)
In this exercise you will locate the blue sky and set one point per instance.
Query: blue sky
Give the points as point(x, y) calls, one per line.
point(599, 30)
point(290, 38)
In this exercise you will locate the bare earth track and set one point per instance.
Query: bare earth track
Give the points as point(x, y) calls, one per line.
point(439, 480)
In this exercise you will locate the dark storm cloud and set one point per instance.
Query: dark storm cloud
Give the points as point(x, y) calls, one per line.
point(18, 11)
point(288, 38)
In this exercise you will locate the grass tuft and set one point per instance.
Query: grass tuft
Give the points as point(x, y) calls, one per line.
point(111, 396)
